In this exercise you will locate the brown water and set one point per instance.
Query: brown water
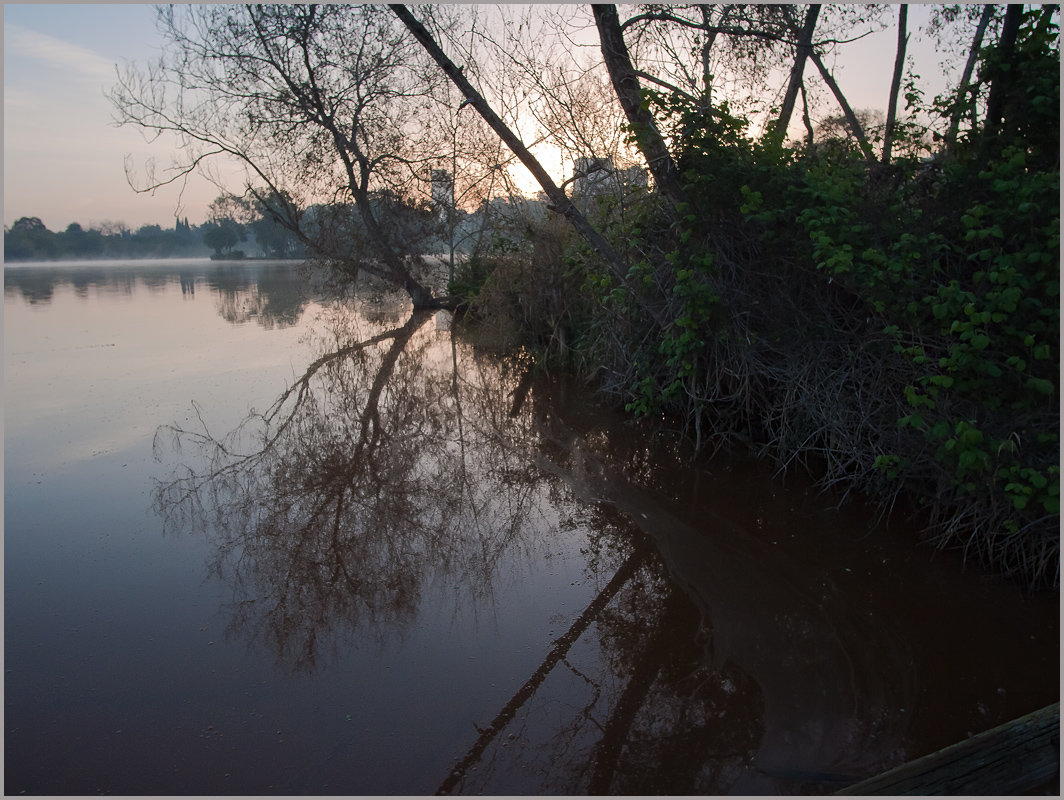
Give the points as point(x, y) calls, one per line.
point(261, 542)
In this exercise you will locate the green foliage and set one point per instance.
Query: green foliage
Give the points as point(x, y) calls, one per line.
point(470, 275)
point(901, 321)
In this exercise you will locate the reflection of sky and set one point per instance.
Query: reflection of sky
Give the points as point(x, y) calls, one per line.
point(63, 159)
point(93, 372)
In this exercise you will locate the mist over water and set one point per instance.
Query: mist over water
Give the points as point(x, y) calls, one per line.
point(259, 540)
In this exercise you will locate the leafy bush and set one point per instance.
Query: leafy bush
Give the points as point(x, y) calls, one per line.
point(894, 327)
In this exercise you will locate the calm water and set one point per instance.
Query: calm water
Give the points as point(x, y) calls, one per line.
point(257, 541)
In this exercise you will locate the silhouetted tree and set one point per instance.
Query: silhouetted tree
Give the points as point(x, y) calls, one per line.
point(315, 102)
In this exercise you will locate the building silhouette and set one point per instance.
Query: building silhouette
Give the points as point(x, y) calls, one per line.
point(596, 176)
point(442, 192)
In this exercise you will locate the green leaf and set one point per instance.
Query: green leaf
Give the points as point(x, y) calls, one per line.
point(1041, 385)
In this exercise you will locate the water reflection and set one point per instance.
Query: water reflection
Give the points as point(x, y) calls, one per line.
point(270, 292)
point(470, 579)
point(272, 297)
point(334, 507)
point(400, 459)
point(725, 668)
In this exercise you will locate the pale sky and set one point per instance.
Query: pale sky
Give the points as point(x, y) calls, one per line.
point(64, 159)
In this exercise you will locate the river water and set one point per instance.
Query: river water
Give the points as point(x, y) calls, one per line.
point(260, 540)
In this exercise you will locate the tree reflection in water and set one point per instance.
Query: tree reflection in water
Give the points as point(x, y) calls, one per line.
point(332, 508)
point(271, 295)
point(728, 668)
point(394, 461)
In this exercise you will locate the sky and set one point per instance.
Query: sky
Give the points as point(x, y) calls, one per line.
point(63, 156)
point(64, 159)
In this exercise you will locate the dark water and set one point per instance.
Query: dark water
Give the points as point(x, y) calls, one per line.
point(260, 542)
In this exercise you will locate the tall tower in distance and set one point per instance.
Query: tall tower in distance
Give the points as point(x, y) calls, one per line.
point(442, 191)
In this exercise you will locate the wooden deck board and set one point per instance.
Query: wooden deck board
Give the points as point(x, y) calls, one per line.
point(1013, 758)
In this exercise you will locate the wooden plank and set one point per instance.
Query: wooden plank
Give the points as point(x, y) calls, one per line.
point(1013, 758)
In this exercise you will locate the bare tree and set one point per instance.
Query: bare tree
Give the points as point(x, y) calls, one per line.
point(319, 104)
point(703, 51)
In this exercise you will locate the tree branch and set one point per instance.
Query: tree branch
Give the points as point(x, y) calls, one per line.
point(851, 118)
point(805, 40)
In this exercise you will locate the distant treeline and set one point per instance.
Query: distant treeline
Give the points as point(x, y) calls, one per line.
point(28, 239)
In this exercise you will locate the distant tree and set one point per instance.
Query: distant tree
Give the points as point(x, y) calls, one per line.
point(222, 236)
point(28, 238)
point(184, 238)
point(76, 242)
point(838, 129)
point(28, 225)
point(149, 241)
point(110, 228)
point(271, 235)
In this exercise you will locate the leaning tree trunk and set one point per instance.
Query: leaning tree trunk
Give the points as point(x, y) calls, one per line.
point(626, 85)
point(559, 201)
point(895, 84)
point(805, 45)
point(851, 118)
point(966, 76)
